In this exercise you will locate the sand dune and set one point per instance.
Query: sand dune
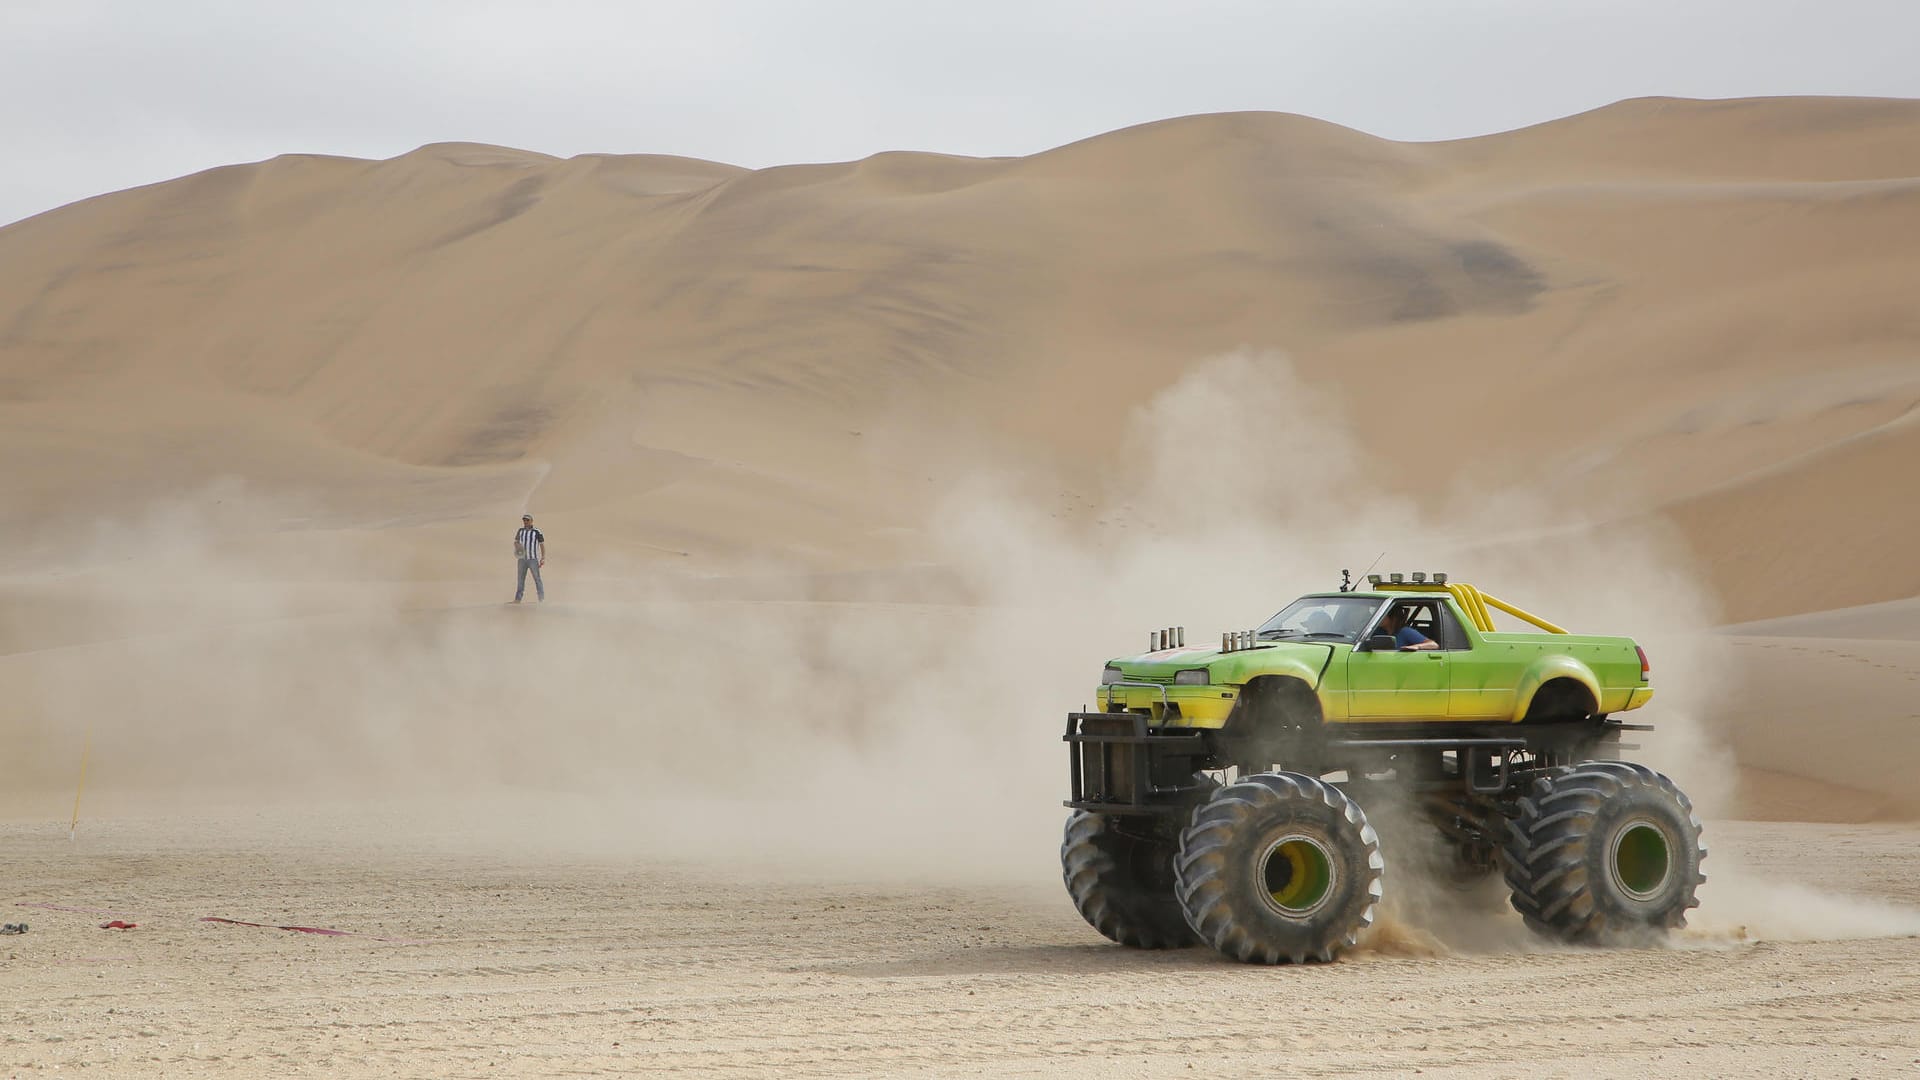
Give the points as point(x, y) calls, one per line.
point(852, 472)
point(1631, 300)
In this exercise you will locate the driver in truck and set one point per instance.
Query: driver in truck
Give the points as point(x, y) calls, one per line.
point(1394, 624)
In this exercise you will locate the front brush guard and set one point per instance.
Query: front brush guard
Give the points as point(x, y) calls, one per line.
point(1121, 765)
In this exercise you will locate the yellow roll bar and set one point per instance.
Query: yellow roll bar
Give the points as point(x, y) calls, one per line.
point(1470, 602)
point(1518, 614)
point(1475, 603)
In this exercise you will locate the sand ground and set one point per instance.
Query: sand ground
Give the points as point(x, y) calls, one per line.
point(553, 967)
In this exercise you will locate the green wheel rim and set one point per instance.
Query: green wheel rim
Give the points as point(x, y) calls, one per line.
point(1642, 860)
point(1296, 875)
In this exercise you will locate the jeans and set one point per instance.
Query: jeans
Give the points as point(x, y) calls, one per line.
point(520, 591)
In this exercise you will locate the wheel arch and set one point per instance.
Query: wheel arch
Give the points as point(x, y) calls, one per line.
point(1286, 691)
point(1553, 675)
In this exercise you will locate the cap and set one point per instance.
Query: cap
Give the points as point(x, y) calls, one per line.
point(526, 517)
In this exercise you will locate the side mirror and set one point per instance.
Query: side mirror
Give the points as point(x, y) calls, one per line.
point(1380, 643)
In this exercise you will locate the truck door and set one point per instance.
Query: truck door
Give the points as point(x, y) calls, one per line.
point(1401, 685)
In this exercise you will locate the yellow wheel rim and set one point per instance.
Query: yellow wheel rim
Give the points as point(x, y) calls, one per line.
point(1297, 875)
point(1642, 860)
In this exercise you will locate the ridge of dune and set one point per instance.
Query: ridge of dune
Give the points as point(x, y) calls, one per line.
point(1897, 620)
point(1865, 557)
point(1287, 147)
point(478, 154)
point(1809, 138)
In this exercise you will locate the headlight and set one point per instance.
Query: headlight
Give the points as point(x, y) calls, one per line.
point(1110, 676)
point(1192, 677)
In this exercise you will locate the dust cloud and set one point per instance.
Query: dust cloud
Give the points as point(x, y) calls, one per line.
point(870, 737)
point(1740, 905)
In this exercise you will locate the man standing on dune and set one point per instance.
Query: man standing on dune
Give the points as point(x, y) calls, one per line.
point(530, 548)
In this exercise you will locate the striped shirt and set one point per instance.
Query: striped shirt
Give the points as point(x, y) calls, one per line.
point(529, 543)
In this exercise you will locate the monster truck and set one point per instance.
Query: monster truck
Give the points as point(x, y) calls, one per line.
point(1218, 794)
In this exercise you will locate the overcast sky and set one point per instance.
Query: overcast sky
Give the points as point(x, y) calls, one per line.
point(97, 95)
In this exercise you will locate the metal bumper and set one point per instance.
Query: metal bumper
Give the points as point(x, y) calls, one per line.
point(1194, 706)
point(1121, 765)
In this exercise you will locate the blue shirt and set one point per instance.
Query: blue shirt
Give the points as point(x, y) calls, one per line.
point(1408, 636)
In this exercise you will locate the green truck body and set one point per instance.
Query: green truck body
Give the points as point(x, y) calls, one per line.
point(1474, 676)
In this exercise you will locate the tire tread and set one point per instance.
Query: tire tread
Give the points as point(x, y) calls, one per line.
point(1204, 863)
point(1542, 856)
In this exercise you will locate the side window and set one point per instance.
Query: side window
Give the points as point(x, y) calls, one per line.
point(1379, 624)
point(1435, 620)
point(1414, 611)
point(1420, 617)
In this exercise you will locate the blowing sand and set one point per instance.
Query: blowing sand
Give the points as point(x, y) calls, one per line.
point(853, 475)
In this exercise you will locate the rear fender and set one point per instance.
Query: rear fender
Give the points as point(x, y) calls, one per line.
point(1545, 670)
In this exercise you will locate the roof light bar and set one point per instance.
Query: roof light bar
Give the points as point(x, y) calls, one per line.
point(1414, 577)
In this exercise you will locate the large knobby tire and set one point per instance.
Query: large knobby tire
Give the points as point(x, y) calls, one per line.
point(1604, 853)
point(1279, 868)
point(1122, 883)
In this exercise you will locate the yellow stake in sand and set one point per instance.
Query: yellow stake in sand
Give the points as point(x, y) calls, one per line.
point(86, 746)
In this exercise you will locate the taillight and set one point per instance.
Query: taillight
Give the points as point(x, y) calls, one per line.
point(1646, 669)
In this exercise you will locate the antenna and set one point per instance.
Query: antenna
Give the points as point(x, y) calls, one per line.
point(1374, 563)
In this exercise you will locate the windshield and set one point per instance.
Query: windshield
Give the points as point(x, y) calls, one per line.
point(1321, 618)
